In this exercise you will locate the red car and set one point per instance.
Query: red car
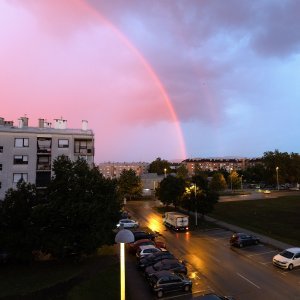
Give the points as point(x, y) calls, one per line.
point(134, 246)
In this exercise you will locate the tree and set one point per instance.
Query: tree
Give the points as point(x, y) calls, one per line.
point(158, 166)
point(129, 184)
point(170, 190)
point(81, 210)
point(218, 182)
point(18, 232)
point(182, 172)
point(234, 180)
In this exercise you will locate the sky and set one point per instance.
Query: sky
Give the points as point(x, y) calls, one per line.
point(169, 79)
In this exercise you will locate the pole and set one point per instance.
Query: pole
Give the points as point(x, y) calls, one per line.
point(165, 170)
point(277, 178)
point(241, 182)
point(122, 270)
point(230, 179)
point(196, 213)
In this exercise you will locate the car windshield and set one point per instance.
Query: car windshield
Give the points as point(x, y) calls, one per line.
point(287, 254)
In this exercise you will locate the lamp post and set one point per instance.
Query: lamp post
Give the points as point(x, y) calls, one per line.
point(196, 212)
point(277, 178)
point(165, 170)
point(230, 179)
point(241, 182)
point(122, 237)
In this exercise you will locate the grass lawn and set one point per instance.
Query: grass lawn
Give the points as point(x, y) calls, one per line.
point(278, 218)
point(98, 275)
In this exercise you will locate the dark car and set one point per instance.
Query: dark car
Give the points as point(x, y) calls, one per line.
point(173, 265)
point(165, 281)
point(212, 296)
point(154, 258)
point(139, 235)
point(143, 242)
point(243, 239)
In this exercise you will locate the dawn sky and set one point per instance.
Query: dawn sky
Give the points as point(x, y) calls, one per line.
point(170, 79)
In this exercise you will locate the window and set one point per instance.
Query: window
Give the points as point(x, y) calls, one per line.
point(83, 146)
point(1, 149)
point(21, 159)
point(20, 176)
point(0, 184)
point(19, 143)
point(0, 167)
point(44, 145)
point(63, 143)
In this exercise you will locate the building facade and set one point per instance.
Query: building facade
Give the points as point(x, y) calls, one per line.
point(27, 153)
point(214, 164)
point(114, 169)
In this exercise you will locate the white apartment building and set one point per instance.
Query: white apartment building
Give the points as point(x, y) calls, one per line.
point(28, 152)
point(114, 169)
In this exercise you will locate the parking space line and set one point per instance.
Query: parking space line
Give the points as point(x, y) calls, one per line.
point(248, 280)
point(263, 253)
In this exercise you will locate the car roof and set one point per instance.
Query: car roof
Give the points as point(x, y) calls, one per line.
point(122, 220)
point(143, 247)
point(293, 250)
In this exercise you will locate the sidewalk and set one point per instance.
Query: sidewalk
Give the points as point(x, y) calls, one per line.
point(264, 239)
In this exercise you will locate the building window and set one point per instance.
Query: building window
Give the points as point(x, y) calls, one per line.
point(21, 159)
point(44, 145)
point(0, 184)
point(83, 147)
point(1, 149)
point(0, 167)
point(63, 143)
point(19, 143)
point(20, 176)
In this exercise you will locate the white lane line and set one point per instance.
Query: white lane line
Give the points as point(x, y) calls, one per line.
point(248, 280)
point(261, 253)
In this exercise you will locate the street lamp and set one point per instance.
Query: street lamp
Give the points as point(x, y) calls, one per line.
point(277, 178)
point(165, 170)
point(122, 237)
point(241, 182)
point(196, 213)
point(230, 179)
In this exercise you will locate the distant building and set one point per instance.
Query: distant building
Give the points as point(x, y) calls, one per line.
point(214, 164)
point(27, 152)
point(114, 169)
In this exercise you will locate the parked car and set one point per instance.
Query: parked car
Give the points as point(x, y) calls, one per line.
point(212, 296)
point(287, 259)
point(146, 250)
point(243, 239)
point(165, 281)
point(154, 258)
point(139, 235)
point(127, 223)
point(173, 265)
point(144, 242)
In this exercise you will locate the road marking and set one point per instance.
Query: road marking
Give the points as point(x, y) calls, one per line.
point(248, 280)
point(261, 253)
point(265, 263)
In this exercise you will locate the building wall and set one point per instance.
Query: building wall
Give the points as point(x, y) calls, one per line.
point(37, 167)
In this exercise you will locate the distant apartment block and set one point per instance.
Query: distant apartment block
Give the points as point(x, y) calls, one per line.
point(114, 169)
point(216, 164)
point(27, 152)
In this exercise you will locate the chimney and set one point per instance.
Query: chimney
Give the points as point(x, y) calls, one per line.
point(25, 121)
point(1, 121)
point(84, 125)
point(60, 123)
point(20, 124)
point(41, 123)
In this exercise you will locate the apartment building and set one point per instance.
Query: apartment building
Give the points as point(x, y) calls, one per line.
point(114, 169)
point(27, 152)
point(214, 164)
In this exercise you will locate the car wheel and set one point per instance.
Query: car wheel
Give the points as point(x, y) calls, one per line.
point(291, 267)
point(159, 294)
point(241, 245)
point(186, 288)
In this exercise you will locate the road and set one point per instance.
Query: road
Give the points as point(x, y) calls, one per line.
point(214, 266)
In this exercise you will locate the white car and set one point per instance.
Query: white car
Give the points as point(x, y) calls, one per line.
point(127, 223)
point(287, 259)
point(145, 250)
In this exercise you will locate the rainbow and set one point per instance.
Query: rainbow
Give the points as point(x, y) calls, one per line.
point(148, 68)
